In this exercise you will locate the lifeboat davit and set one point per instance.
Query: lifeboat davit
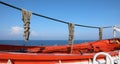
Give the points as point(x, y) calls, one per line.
point(101, 51)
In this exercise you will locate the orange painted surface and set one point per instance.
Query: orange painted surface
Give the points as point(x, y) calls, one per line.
point(52, 54)
point(29, 58)
point(88, 47)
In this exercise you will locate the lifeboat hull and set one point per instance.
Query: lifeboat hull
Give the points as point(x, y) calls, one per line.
point(36, 58)
point(81, 53)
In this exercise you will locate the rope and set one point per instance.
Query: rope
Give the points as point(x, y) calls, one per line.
point(34, 13)
point(26, 19)
point(86, 26)
point(71, 35)
point(100, 33)
point(107, 27)
point(10, 5)
point(50, 17)
point(115, 29)
point(71, 32)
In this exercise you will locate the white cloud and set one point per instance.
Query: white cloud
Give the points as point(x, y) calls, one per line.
point(33, 33)
point(16, 30)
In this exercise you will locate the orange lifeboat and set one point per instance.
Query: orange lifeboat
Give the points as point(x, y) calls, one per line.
point(81, 53)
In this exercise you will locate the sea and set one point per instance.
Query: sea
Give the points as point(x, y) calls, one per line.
point(40, 42)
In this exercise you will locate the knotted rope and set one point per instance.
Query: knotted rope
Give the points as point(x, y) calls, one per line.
point(71, 34)
point(26, 19)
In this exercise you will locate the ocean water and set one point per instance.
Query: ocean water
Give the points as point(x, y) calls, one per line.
point(40, 42)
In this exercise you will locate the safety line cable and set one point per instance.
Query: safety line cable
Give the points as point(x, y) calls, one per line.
point(108, 27)
point(50, 17)
point(86, 26)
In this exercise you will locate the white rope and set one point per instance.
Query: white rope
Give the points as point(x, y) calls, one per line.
point(115, 29)
point(26, 19)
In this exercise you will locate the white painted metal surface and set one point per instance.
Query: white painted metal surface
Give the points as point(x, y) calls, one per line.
point(110, 61)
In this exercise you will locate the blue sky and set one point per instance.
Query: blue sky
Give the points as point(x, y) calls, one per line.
point(86, 12)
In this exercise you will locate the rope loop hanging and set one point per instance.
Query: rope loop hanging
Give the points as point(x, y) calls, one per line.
point(100, 33)
point(71, 35)
point(115, 29)
point(26, 20)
